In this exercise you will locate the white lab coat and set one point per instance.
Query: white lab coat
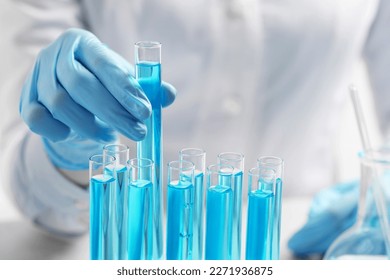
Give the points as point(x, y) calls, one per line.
point(257, 77)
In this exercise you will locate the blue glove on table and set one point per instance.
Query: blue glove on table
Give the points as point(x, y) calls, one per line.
point(79, 94)
point(333, 210)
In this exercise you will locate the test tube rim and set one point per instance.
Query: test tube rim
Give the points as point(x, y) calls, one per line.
point(220, 170)
point(102, 161)
point(275, 161)
point(190, 165)
point(259, 169)
point(239, 156)
point(138, 160)
point(196, 152)
point(123, 146)
point(148, 44)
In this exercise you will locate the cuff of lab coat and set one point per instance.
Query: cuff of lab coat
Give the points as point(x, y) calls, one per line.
point(65, 206)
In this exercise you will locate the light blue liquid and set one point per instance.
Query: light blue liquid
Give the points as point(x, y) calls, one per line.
point(197, 240)
point(219, 212)
point(237, 213)
point(275, 249)
point(258, 237)
point(119, 209)
point(100, 188)
point(140, 220)
point(179, 220)
point(149, 77)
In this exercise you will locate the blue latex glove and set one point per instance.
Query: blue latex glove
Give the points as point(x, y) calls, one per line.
point(333, 210)
point(79, 94)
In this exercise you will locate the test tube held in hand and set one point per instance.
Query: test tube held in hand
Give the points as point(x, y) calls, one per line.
point(148, 75)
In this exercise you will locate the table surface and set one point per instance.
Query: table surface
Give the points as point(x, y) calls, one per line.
point(21, 240)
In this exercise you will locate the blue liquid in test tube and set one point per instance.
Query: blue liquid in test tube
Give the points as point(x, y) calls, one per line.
point(198, 157)
point(237, 161)
point(140, 217)
point(148, 74)
point(100, 187)
point(197, 240)
point(219, 210)
point(237, 213)
point(258, 228)
point(261, 196)
point(276, 164)
point(121, 207)
point(275, 238)
point(179, 220)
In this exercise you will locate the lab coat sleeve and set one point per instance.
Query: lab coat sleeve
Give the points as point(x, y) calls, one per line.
point(41, 193)
point(377, 57)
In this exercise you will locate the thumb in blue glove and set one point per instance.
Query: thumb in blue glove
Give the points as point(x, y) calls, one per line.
point(78, 91)
point(333, 210)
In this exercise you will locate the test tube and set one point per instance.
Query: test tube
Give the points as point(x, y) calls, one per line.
point(101, 184)
point(140, 215)
point(261, 188)
point(148, 75)
point(277, 165)
point(179, 210)
point(237, 161)
point(198, 158)
point(219, 212)
point(120, 198)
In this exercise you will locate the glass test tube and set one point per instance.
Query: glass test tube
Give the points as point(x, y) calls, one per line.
point(261, 188)
point(148, 75)
point(101, 184)
point(237, 161)
point(179, 210)
point(140, 215)
point(219, 212)
point(119, 196)
point(198, 158)
point(277, 165)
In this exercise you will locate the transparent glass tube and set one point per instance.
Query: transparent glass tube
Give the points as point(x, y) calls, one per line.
point(140, 215)
point(120, 196)
point(219, 212)
point(277, 165)
point(180, 210)
point(237, 161)
point(148, 75)
point(368, 238)
point(101, 184)
point(261, 194)
point(198, 158)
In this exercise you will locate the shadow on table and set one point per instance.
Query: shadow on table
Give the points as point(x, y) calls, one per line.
point(20, 240)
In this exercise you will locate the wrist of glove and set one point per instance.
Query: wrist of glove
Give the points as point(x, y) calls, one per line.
point(72, 153)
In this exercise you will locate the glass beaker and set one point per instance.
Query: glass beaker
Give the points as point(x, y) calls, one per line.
point(369, 237)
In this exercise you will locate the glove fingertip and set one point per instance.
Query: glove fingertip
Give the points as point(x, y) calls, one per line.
point(169, 93)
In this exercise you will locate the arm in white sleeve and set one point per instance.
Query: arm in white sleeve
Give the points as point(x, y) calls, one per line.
point(377, 57)
point(38, 189)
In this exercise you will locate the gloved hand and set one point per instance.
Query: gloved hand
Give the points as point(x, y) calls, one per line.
point(333, 210)
point(78, 94)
